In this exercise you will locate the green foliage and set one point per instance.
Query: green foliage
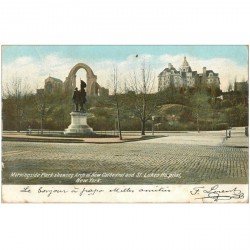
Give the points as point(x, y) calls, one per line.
point(176, 110)
point(221, 126)
point(186, 115)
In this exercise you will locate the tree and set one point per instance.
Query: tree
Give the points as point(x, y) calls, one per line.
point(142, 101)
point(201, 107)
point(230, 87)
point(41, 108)
point(115, 82)
point(16, 91)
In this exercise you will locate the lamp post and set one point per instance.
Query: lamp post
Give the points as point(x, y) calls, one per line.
point(43, 113)
point(153, 129)
point(115, 126)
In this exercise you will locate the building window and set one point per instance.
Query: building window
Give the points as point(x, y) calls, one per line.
point(49, 87)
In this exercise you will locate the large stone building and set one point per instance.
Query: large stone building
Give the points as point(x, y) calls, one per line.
point(53, 85)
point(241, 87)
point(186, 77)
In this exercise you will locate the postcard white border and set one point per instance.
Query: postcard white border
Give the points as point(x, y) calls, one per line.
point(141, 226)
point(199, 193)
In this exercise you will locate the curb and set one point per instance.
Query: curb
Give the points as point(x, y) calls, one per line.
point(41, 140)
point(62, 140)
point(232, 146)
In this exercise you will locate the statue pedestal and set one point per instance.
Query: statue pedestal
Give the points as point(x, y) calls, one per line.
point(78, 125)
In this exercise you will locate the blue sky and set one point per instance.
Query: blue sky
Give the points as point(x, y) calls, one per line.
point(36, 63)
point(239, 54)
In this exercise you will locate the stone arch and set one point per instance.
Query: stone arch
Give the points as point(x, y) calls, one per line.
point(95, 88)
point(70, 82)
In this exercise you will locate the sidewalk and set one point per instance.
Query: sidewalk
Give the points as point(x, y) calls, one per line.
point(237, 139)
point(30, 138)
point(204, 138)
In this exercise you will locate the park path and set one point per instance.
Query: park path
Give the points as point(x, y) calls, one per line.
point(204, 138)
point(237, 139)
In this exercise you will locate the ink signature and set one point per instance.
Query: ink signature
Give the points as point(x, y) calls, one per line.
point(215, 193)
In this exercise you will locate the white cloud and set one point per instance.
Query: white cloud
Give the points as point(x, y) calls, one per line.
point(35, 71)
point(24, 60)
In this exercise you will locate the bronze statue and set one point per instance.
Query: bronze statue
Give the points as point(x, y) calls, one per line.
point(83, 99)
point(76, 99)
point(79, 97)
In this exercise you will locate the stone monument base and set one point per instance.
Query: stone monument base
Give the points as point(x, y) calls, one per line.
point(78, 125)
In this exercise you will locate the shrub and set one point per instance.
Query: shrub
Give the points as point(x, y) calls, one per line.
point(221, 126)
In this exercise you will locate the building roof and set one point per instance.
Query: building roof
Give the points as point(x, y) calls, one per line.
point(53, 78)
point(243, 82)
point(185, 65)
point(211, 71)
point(169, 71)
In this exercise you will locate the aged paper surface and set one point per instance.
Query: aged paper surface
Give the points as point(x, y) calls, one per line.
point(125, 124)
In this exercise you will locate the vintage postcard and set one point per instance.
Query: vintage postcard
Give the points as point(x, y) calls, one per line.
point(125, 123)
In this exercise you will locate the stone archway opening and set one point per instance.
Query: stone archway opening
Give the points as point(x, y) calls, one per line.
point(70, 82)
point(80, 75)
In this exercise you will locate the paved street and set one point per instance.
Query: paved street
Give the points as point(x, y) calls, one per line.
point(156, 161)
